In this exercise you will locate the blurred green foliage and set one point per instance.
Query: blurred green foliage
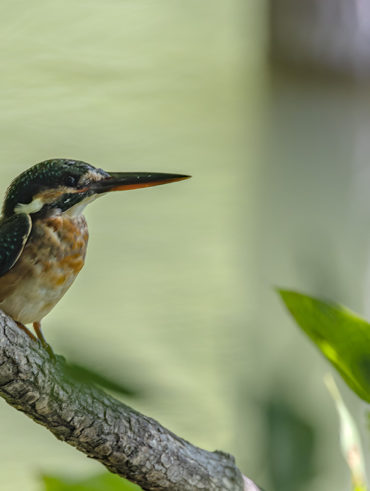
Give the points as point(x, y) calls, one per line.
point(290, 443)
point(344, 339)
point(101, 482)
point(342, 336)
point(349, 438)
point(86, 375)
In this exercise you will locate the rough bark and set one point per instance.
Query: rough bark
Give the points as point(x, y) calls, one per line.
point(128, 443)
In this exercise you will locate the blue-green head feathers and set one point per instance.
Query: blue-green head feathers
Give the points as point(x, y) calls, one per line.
point(49, 175)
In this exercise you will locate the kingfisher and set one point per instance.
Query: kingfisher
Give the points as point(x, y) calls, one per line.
point(44, 234)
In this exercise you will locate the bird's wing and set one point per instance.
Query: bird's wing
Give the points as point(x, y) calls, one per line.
point(14, 232)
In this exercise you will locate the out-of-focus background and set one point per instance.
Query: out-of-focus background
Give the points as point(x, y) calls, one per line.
point(267, 106)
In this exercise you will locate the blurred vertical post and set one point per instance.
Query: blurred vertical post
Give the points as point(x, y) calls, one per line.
point(329, 36)
point(312, 207)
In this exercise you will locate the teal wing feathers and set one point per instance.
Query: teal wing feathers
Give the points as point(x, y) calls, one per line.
point(14, 232)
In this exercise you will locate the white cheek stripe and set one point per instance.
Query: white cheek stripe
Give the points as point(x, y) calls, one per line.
point(37, 203)
point(33, 207)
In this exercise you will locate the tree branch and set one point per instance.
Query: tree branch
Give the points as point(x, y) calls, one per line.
point(128, 443)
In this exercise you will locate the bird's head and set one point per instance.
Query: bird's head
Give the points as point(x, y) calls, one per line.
point(63, 185)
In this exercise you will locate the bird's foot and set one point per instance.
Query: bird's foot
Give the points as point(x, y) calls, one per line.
point(44, 344)
point(27, 331)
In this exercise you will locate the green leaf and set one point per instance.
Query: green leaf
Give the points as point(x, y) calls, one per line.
point(342, 336)
point(101, 482)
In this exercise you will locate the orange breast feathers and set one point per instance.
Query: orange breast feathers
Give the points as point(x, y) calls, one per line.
point(51, 260)
point(68, 239)
point(59, 245)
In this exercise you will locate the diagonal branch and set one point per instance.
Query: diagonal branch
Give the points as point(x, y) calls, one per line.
point(128, 443)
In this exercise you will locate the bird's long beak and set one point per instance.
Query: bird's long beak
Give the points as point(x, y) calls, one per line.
point(123, 181)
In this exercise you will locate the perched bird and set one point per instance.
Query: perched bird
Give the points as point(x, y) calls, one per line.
point(44, 235)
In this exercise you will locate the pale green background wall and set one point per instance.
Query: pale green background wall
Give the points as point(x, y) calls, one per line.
point(177, 294)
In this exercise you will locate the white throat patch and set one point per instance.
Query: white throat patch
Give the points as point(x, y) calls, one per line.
point(77, 209)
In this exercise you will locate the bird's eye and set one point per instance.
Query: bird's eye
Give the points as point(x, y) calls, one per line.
point(70, 181)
